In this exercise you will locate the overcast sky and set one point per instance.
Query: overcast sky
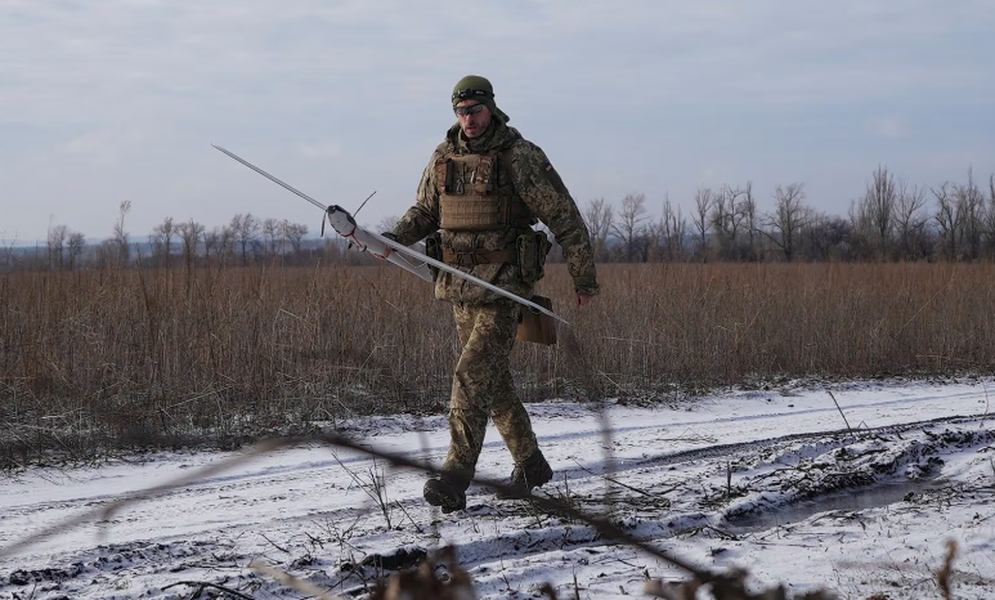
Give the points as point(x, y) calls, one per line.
point(110, 100)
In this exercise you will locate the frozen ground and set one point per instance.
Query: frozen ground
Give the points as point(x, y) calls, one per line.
point(772, 482)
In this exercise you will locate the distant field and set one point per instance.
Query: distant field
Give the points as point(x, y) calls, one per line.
point(126, 358)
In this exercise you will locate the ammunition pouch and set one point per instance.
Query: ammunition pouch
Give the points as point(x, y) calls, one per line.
point(537, 327)
point(533, 247)
point(433, 249)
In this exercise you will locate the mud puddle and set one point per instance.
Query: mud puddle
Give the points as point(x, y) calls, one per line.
point(851, 500)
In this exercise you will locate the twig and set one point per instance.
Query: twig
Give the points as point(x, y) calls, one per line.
point(206, 584)
point(375, 489)
point(848, 428)
point(922, 308)
point(626, 486)
point(611, 381)
point(724, 534)
point(274, 544)
point(418, 528)
point(629, 564)
point(781, 545)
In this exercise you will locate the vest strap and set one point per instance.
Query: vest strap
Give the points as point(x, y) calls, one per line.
point(477, 257)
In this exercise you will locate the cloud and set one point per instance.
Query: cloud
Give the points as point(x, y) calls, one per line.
point(651, 93)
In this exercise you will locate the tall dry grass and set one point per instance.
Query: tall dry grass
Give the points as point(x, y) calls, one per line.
point(726, 323)
point(91, 360)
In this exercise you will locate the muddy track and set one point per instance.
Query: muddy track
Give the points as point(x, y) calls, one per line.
point(589, 482)
point(654, 519)
point(320, 522)
point(841, 435)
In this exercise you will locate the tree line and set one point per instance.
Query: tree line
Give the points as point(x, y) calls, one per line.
point(245, 240)
point(892, 221)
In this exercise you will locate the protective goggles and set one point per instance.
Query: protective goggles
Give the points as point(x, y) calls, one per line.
point(468, 94)
point(463, 111)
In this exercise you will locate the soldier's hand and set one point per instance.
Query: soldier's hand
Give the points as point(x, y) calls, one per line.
point(584, 299)
point(388, 250)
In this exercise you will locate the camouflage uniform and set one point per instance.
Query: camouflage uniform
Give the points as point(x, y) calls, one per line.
point(482, 383)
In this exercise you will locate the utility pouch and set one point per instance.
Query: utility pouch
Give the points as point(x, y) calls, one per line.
point(534, 326)
point(532, 250)
point(433, 249)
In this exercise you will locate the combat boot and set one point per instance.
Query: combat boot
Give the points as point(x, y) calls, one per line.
point(448, 492)
point(532, 473)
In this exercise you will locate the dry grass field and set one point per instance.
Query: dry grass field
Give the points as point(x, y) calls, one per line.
point(132, 358)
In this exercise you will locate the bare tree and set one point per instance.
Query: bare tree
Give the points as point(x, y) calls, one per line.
point(948, 221)
point(728, 219)
point(827, 237)
point(750, 222)
point(788, 219)
point(77, 245)
point(294, 234)
point(674, 229)
point(245, 229)
point(599, 216)
point(879, 201)
point(9, 256)
point(190, 234)
point(272, 236)
point(971, 204)
point(57, 237)
point(629, 227)
point(960, 219)
point(212, 243)
point(910, 222)
point(387, 223)
point(989, 221)
point(703, 203)
point(220, 242)
point(162, 241)
point(119, 236)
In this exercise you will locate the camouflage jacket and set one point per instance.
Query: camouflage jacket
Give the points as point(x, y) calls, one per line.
point(540, 188)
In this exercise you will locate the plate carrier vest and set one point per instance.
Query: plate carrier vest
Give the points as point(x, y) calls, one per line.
point(476, 193)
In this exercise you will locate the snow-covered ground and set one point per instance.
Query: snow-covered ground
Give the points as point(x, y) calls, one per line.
point(773, 482)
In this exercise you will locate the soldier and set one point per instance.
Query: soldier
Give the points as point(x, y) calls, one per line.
point(484, 187)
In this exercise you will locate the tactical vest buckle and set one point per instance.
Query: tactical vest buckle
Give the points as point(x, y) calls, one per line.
point(468, 259)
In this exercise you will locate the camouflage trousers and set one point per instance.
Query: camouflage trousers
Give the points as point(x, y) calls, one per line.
point(483, 387)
